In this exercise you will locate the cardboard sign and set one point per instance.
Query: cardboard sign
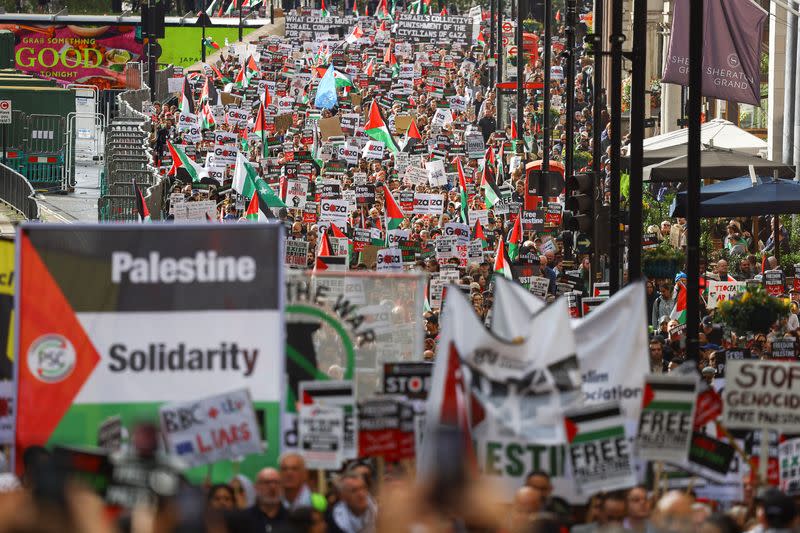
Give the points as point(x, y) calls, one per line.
point(205, 431)
point(395, 236)
point(415, 175)
point(321, 436)
point(296, 193)
point(373, 150)
point(709, 457)
point(598, 449)
point(773, 282)
point(428, 204)
point(336, 393)
point(296, 253)
point(789, 458)
point(533, 220)
point(665, 423)
point(194, 210)
point(720, 291)
point(762, 394)
point(540, 286)
point(378, 424)
point(461, 232)
point(389, 259)
point(365, 194)
point(784, 348)
point(437, 176)
point(412, 380)
point(333, 211)
point(330, 127)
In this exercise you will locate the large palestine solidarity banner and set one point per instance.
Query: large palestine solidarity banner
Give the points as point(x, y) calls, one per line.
point(116, 320)
point(306, 26)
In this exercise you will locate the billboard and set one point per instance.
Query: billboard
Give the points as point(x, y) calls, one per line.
point(117, 320)
point(92, 55)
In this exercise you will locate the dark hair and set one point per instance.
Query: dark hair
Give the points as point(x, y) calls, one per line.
point(221, 486)
point(535, 473)
point(724, 523)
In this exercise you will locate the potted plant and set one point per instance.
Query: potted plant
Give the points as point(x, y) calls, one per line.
point(752, 311)
point(663, 261)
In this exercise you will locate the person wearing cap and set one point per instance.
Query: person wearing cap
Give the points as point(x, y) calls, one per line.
point(712, 332)
point(776, 512)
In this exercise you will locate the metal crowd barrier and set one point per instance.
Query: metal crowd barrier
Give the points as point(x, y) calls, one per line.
point(129, 158)
point(17, 191)
point(37, 148)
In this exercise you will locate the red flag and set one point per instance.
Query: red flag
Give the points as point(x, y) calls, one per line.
point(413, 131)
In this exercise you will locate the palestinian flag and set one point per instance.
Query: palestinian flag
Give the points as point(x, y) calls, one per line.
point(210, 8)
point(515, 238)
point(491, 193)
point(254, 213)
point(594, 423)
point(376, 128)
point(456, 404)
point(679, 310)
point(209, 43)
point(209, 93)
point(267, 98)
point(324, 10)
point(355, 9)
point(356, 34)
point(390, 60)
point(502, 264)
point(514, 133)
point(260, 128)
point(251, 68)
point(233, 5)
point(241, 81)
point(141, 206)
point(180, 160)
point(325, 260)
point(462, 189)
point(207, 118)
point(217, 73)
point(186, 104)
point(443, 12)
point(382, 10)
point(370, 70)
point(342, 80)
point(481, 39)
point(668, 393)
point(394, 216)
point(501, 166)
point(412, 136)
point(477, 233)
point(247, 182)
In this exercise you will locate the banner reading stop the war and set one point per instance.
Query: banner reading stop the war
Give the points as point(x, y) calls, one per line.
point(117, 320)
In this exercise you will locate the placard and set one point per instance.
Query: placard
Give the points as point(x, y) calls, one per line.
point(434, 29)
point(412, 380)
point(200, 210)
point(333, 211)
point(666, 419)
point(210, 429)
point(389, 259)
point(428, 204)
point(296, 253)
point(337, 393)
point(762, 394)
point(321, 436)
point(720, 291)
point(378, 424)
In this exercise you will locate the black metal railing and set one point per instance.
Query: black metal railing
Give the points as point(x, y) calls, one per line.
point(16, 191)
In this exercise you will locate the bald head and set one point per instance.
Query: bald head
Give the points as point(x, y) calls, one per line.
point(527, 500)
point(673, 512)
point(268, 488)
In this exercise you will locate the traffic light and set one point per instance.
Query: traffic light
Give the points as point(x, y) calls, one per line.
point(581, 203)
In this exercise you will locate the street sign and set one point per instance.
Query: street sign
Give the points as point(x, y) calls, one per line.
point(5, 111)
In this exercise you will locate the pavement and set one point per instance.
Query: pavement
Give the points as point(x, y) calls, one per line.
point(279, 28)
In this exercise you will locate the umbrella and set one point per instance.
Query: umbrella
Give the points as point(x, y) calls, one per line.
point(716, 164)
point(768, 198)
point(651, 157)
point(717, 132)
point(678, 207)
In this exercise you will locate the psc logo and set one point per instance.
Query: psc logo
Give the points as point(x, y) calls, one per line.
point(51, 358)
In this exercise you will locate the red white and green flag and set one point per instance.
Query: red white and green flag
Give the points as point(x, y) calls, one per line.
point(260, 129)
point(376, 128)
point(207, 118)
point(413, 136)
point(254, 213)
point(502, 264)
point(324, 11)
point(141, 205)
point(180, 160)
point(251, 67)
point(241, 81)
point(679, 310)
point(462, 190)
point(515, 238)
point(394, 215)
point(491, 193)
point(477, 233)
